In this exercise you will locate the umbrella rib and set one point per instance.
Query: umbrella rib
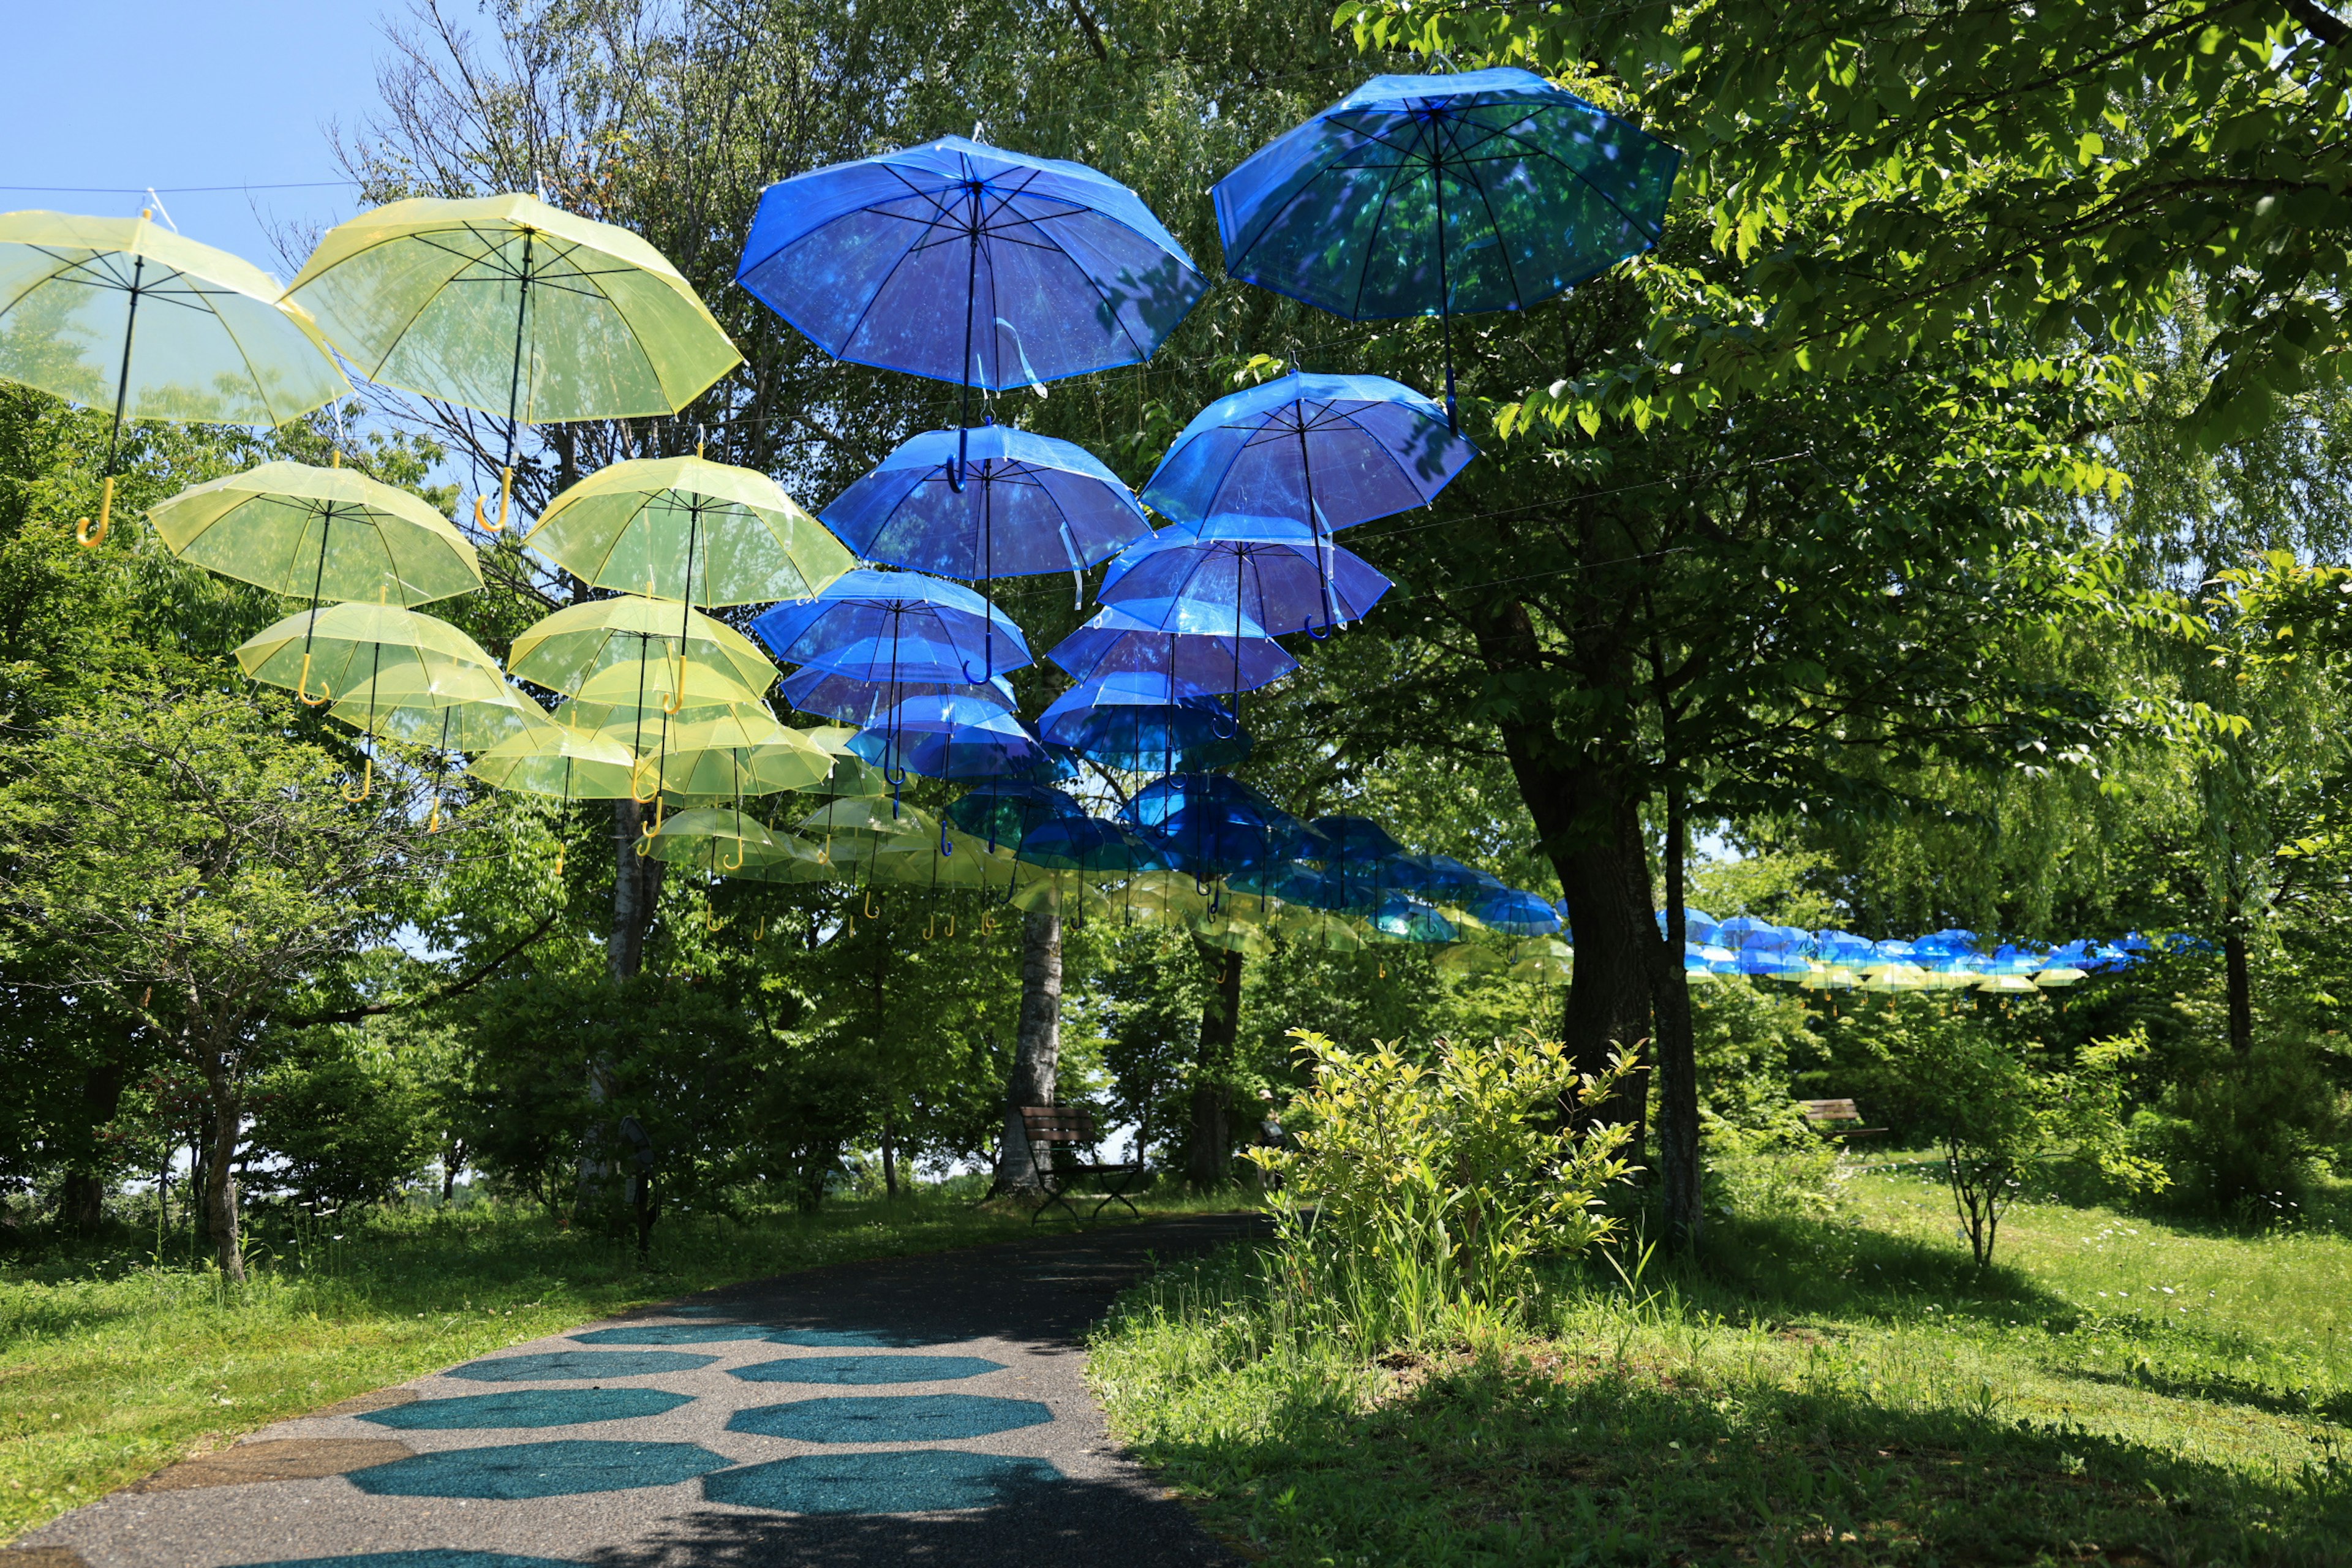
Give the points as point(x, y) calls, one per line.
point(1380, 215)
point(1580, 177)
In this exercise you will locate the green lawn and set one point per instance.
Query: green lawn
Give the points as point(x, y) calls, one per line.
point(111, 1368)
point(1832, 1389)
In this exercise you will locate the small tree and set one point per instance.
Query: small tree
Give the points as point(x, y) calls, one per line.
point(1998, 1107)
point(180, 852)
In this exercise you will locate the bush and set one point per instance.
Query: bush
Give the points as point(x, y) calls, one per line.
point(349, 1128)
point(1436, 1185)
point(2241, 1134)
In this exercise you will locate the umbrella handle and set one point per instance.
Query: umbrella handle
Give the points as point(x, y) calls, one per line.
point(1307, 626)
point(945, 847)
point(433, 822)
point(367, 783)
point(675, 698)
point(642, 799)
point(870, 910)
point(302, 686)
point(650, 829)
point(824, 856)
point(91, 538)
point(559, 859)
point(1225, 726)
point(506, 496)
point(951, 931)
point(738, 864)
point(760, 932)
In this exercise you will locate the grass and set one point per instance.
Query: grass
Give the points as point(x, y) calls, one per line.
point(112, 1368)
point(1823, 1389)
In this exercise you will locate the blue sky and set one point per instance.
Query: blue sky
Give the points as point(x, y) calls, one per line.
point(198, 92)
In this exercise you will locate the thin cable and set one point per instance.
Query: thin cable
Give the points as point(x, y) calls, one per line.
point(171, 190)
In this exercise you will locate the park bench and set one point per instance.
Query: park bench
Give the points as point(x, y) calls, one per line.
point(1061, 1140)
point(1823, 1115)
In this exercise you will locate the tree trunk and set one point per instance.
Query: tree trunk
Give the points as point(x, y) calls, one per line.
point(1211, 1156)
point(1678, 1157)
point(220, 1177)
point(453, 1160)
point(636, 889)
point(2241, 990)
point(1036, 1048)
point(81, 1203)
point(889, 1153)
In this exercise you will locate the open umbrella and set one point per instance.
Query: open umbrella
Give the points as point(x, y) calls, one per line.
point(1005, 811)
point(894, 626)
point(564, 651)
point(441, 710)
point(688, 529)
point(1128, 721)
point(718, 838)
point(1189, 646)
point(1269, 570)
point(318, 533)
point(322, 652)
point(738, 756)
point(1091, 843)
point(857, 702)
point(966, 263)
point(1425, 195)
point(509, 305)
point(119, 310)
point(567, 763)
point(954, 737)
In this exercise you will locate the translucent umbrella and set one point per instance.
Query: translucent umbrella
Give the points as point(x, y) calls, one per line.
point(564, 651)
point(684, 529)
point(509, 305)
point(1273, 570)
point(1090, 844)
point(894, 626)
point(1004, 811)
point(426, 708)
point(858, 702)
point(1423, 196)
point(734, 756)
point(318, 533)
point(715, 839)
point(1127, 721)
point(332, 648)
point(1192, 646)
point(954, 737)
point(101, 310)
point(564, 762)
point(966, 263)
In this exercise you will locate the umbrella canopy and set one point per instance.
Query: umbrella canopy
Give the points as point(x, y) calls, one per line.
point(1126, 721)
point(570, 764)
point(1327, 450)
point(1189, 646)
point(954, 737)
point(873, 817)
point(409, 705)
point(1090, 844)
point(739, 756)
point(321, 653)
point(1355, 838)
point(1005, 811)
point(1402, 918)
point(714, 839)
point(1425, 195)
point(1516, 913)
point(564, 651)
point(509, 305)
point(318, 533)
point(1027, 504)
point(858, 702)
point(684, 529)
point(966, 263)
point(121, 313)
point(893, 626)
point(1274, 572)
point(1315, 928)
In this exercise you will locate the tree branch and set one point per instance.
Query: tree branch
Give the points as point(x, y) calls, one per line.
point(439, 993)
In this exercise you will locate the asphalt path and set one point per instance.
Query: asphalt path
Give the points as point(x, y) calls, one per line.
point(925, 1410)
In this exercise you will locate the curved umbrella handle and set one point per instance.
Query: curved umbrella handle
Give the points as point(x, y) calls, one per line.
point(824, 856)
point(91, 538)
point(951, 931)
point(506, 497)
point(970, 679)
point(738, 864)
point(367, 783)
point(433, 822)
point(302, 686)
point(1307, 626)
point(1225, 726)
point(559, 859)
point(945, 847)
point(870, 910)
point(637, 769)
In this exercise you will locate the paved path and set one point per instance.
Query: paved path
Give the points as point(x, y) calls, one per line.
point(923, 1410)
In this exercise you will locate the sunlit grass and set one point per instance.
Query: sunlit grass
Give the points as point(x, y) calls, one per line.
point(1835, 1388)
point(110, 1367)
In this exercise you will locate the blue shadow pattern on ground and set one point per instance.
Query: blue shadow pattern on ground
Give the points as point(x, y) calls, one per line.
point(673, 1334)
point(910, 1480)
point(528, 1407)
point(560, 1366)
point(435, 1557)
point(562, 1468)
point(851, 1339)
point(899, 1418)
point(866, 1369)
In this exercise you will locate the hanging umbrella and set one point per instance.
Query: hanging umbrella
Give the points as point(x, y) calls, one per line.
point(1004, 811)
point(894, 626)
point(1355, 837)
point(506, 304)
point(1091, 843)
point(718, 839)
point(1028, 504)
point(318, 533)
point(1269, 570)
point(1403, 918)
point(570, 764)
point(1126, 721)
point(1190, 646)
point(1544, 958)
point(1317, 928)
point(564, 650)
point(118, 311)
point(735, 756)
point(870, 818)
point(1516, 913)
point(966, 263)
point(425, 708)
point(318, 653)
point(1330, 451)
point(688, 530)
point(954, 737)
point(858, 702)
point(1425, 195)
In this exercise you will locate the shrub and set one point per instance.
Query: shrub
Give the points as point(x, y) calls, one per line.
point(1433, 1186)
point(2240, 1134)
point(349, 1126)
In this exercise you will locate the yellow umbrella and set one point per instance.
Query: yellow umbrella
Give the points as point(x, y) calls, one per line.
point(318, 533)
point(506, 304)
point(419, 707)
point(98, 309)
point(734, 756)
point(713, 839)
point(564, 650)
point(1541, 958)
point(683, 527)
point(572, 764)
point(335, 648)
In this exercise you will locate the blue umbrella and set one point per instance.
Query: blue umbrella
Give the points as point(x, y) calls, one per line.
point(1162, 797)
point(1403, 918)
point(954, 738)
point(1004, 811)
point(1269, 570)
point(891, 625)
point(1127, 721)
point(1514, 913)
point(1028, 504)
point(1188, 645)
point(1423, 196)
point(853, 699)
point(1356, 837)
point(1330, 451)
point(1090, 844)
point(966, 263)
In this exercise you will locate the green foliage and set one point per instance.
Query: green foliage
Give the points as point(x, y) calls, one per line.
point(1999, 1107)
point(2242, 1133)
point(1437, 1184)
point(348, 1123)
